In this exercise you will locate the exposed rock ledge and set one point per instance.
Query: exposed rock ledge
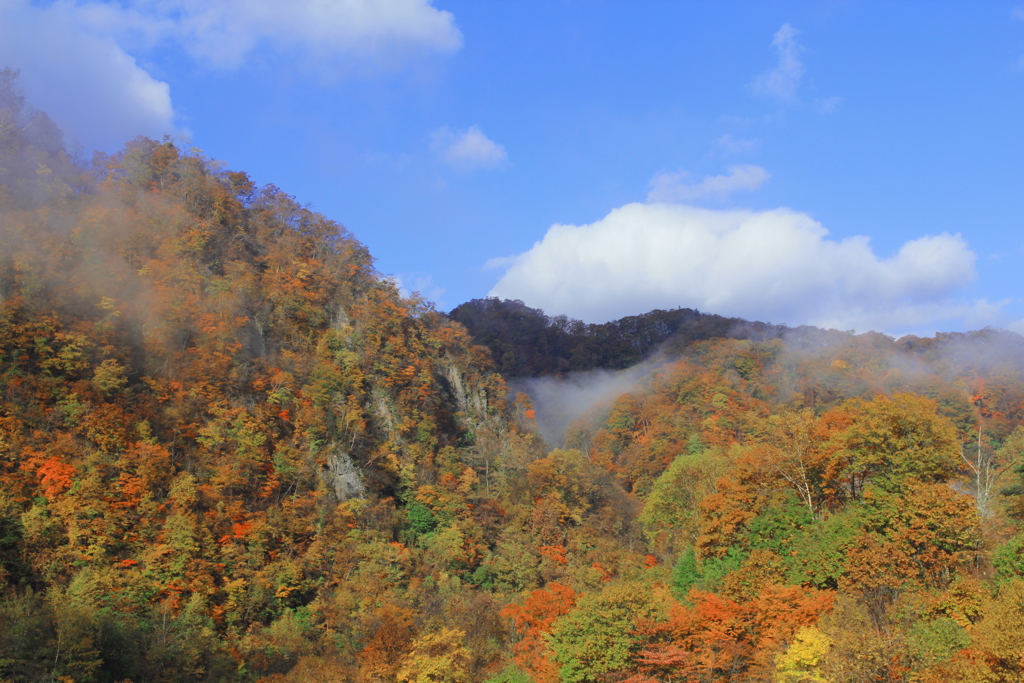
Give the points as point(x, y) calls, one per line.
point(342, 477)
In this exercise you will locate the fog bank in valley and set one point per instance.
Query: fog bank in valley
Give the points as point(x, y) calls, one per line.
point(560, 401)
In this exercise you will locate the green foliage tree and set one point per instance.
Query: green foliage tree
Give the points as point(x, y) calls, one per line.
point(597, 636)
point(818, 553)
point(685, 573)
point(671, 508)
point(511, 674)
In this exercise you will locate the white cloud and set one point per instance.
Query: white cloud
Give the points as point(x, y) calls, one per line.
point(1017, 64)
point(80, 76)
point(733, 145)
point(467, 150)
point(77, 63)
point(224, 32)
point(776, 266)
point(829, 104)
point(675, 187)
point(783, 81)
point(422, 285)
point(500, 262)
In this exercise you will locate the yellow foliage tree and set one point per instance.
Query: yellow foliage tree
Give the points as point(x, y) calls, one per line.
point(801, 661)
point(438, 657)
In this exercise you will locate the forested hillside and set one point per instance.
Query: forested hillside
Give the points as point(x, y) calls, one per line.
point(524, 342)
point(223, 436)
point(230, 450)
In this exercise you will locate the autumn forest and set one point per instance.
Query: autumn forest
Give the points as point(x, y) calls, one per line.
point(232, 450)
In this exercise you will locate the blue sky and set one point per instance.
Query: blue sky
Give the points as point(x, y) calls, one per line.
point(858, 165)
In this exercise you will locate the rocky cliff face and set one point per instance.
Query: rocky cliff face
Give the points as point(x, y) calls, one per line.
point(471, 401)
point(341, 476)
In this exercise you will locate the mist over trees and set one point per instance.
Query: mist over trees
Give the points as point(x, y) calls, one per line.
point(230, 450)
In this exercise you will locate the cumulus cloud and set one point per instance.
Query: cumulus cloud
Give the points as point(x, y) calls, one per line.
point(676, 187)
point(778, 266)
point(467, 150)
point(73, 69)
point(783, 81)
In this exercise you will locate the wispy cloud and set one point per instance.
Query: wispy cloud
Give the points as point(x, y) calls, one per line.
point(829, 104)
point(728, 144)
point(467, 150)
point(224, 32)
point(1018, 14)
point(677, 187)
point(421, 285)
point(782, 82)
